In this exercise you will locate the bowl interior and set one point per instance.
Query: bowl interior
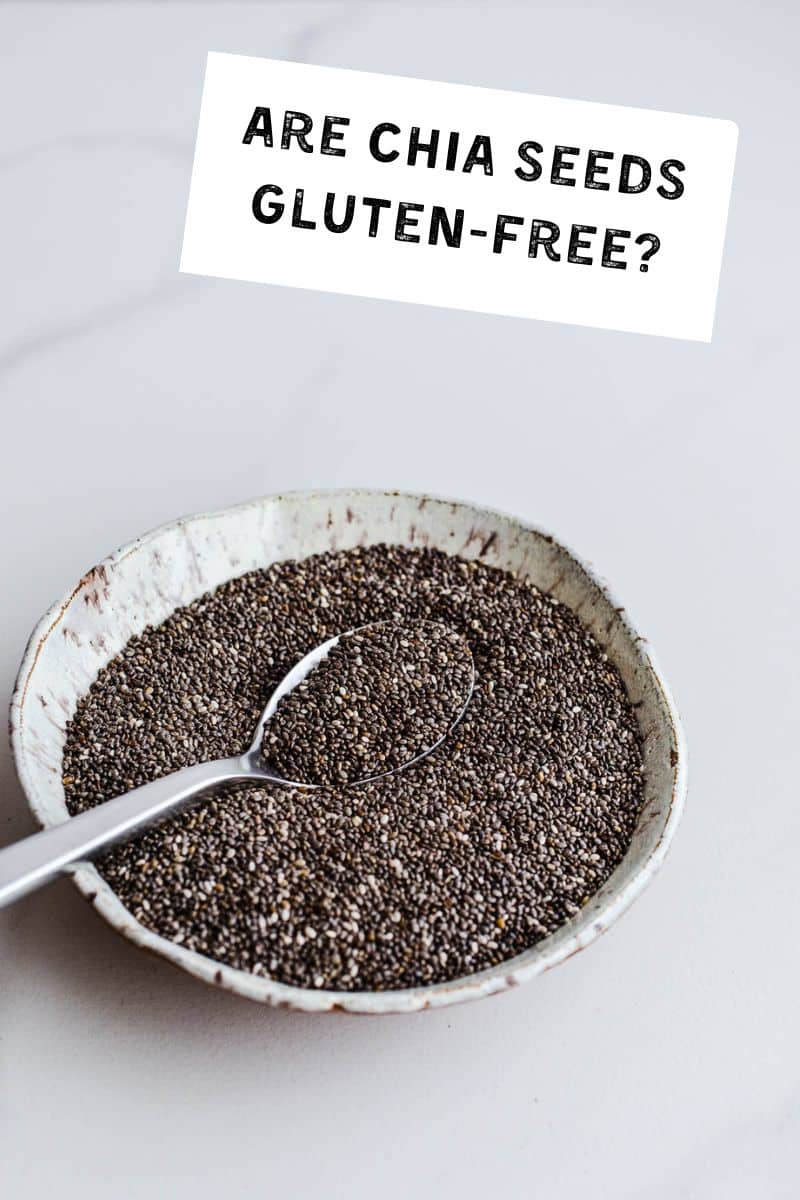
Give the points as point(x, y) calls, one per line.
point(143, 583)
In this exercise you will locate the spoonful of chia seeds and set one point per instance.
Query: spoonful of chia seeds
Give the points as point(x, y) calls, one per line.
point(360, 706)
point(381, 698)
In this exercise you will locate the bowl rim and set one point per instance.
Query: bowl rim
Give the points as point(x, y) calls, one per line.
point(555, 948)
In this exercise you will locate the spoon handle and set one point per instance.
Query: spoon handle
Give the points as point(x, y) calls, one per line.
point(38, 859)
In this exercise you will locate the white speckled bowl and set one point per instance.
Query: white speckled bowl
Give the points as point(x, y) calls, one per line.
point(145, 581)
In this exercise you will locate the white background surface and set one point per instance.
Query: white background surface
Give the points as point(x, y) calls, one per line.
point(662, 1062)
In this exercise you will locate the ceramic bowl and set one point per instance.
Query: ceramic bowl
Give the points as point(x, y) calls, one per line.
point(144, 582)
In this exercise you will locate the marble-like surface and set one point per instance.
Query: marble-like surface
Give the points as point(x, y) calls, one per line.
point(664, 1061)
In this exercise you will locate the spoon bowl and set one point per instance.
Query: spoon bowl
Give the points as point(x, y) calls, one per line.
point(306, 666)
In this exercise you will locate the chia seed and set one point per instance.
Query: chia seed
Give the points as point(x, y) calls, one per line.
point(465, 859)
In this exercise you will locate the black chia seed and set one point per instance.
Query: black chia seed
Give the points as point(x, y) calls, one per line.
point(465, 859)
point(381, 697)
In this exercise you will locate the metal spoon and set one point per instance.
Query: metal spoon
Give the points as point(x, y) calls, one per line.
point(38, 859)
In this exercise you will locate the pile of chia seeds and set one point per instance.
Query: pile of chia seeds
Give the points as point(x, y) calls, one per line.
point(465, 859)
point(381, 697)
